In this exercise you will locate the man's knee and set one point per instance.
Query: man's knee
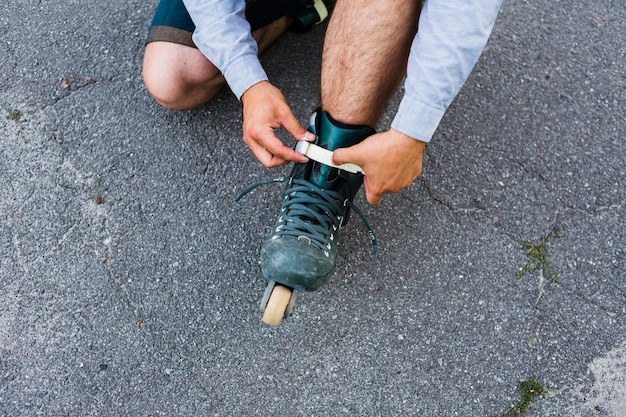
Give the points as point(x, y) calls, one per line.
point(157, 84)
point(177, 77)
point(159, 75)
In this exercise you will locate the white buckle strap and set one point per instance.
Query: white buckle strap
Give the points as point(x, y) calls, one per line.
point(324, 156)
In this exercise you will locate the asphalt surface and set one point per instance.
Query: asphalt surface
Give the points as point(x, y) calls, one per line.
point(129, 278)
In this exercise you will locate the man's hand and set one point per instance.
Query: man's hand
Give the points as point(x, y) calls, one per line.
point(391, 161)
point(265, 109)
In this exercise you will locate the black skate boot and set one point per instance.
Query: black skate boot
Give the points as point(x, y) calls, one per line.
point(301, 251)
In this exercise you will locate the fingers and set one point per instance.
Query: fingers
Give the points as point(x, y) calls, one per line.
point(391, 161)
point(357, 154)
point(266, 158)
point(265, 109)
point(373, 198)
point(295, 129)
point(273, 151)
point(348, 155)
point(270, 150)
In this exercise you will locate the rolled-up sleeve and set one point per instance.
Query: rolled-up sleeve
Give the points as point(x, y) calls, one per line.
point(450, 39)
point(223, 35)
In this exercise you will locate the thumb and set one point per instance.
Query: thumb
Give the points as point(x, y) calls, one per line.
point(347, 155)
point(296, 130)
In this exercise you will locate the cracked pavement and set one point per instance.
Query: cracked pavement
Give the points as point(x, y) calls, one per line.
point(129, 278)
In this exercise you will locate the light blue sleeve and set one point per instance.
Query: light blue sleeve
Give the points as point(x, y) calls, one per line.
point(450, 39)
point(223, 35)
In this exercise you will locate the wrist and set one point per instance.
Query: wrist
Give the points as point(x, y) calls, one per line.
point(254, 89)
point(407, 140)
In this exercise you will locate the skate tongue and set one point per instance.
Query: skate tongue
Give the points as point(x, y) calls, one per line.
point(325, 157)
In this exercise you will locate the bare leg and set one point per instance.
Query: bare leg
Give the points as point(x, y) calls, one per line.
point(180, 77)
point(365, 56)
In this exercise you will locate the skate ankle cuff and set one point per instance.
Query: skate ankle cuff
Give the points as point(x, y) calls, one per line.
point(346, 126)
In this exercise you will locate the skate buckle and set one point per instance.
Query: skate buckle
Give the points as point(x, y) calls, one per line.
point(324, 156)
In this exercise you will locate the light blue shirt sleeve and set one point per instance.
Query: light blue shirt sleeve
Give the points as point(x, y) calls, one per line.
point(452, 35)
point(450, 39)
point(223, 35)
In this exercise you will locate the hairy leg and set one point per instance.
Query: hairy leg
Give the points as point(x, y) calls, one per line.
point(365, 56)
point(181, 77)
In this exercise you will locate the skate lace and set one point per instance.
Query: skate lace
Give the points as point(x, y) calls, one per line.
point(310, 212)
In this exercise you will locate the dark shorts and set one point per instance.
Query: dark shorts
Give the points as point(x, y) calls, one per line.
point(172, 23)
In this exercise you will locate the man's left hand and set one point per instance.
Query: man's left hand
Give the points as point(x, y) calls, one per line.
point(391, 161)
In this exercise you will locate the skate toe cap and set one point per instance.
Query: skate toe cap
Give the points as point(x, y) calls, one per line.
point(296, 263)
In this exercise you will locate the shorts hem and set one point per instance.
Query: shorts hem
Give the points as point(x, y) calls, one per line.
point(170, 34)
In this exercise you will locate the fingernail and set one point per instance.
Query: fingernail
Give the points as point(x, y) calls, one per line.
point(309, 136)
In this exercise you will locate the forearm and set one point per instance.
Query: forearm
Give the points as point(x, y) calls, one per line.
point(223, 35)
point(450, 39)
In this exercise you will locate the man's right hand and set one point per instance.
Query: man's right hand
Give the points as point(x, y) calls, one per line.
point(265, 109)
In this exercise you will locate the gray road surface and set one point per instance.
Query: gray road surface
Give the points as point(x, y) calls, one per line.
point(129, 278)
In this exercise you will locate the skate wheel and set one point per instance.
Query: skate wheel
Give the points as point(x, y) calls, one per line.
point(278, 304)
